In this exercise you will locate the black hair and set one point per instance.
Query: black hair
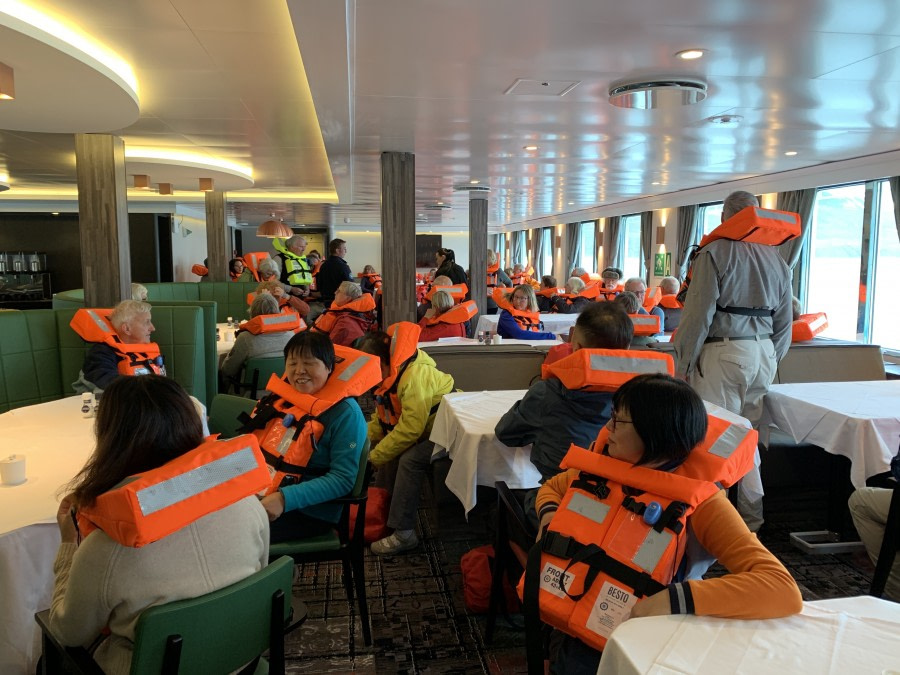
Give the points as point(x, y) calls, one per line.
point(377, 343)
point(335, 245)
point(604, 325)
point(667, 414)
point(448, 254)
point(548, 281)
point(311, 344)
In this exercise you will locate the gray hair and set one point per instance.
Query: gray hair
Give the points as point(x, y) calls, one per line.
point(268, 267)
point(127, 310)
point(138, 292)
point(290, 241)
point(350, 289)
point(578, 271)
point(442, 280)
point(574, 285)
point(635, 280)
point(737, 201)
point(441, 301)
point(629, 301)
point(669, 285)
point(264, 303)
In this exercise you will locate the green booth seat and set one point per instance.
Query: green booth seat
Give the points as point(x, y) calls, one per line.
point(40, 355)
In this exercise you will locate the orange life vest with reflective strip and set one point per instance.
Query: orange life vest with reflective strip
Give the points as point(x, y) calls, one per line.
point(808, 326)
point(530, 321)
point(325, 321)
point(609, 293)
point(457, 292)
point(551, 292)
point(286, 422)
point(645, 324)
point(404, 349)
point(492, 276)
point(652, 298)
point(252, 260)
point(591, 278)
point(149, 506)
point(372, 277)
point(591, 292)
point(606, 369)
point(619, 532)
point(670, 302)
point(457, 314)
point(93, 325)
point(274, 323)
point(519, 279)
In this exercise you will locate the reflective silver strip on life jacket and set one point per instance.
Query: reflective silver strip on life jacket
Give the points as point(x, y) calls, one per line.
point(353, 368)
point(644, 320)
point(774, 215)
point(817, 323)
point(102, 324)
point(196, 481)
point(729, 441)
point(274, 319)
point(617, 364)
point(449, 289)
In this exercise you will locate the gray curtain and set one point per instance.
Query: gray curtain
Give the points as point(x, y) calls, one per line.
point(687, 234)
point(518, 246)
point(598, 242)
point(573, 241)
point(614, 242)
point(537, 252)
point(797, 201)
point(895, 193)
point(647, 244)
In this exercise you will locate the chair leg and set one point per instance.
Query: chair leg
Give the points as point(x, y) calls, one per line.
point(497, 572)
point(276, 634)
point(359, 578)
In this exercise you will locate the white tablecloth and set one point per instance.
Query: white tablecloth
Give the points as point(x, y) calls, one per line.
point(465, 342)
point(847, 635)
point(56, 441)
point(464, 431)
point(554, 323)
point(859, 420)
point(226, 339)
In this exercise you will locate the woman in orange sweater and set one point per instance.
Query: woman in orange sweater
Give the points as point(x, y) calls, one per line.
point(657, 421)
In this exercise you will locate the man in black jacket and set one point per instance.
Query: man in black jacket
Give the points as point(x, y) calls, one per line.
point(333, 272)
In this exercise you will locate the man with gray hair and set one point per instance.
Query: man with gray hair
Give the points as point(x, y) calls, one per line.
point(735, 327)
point(295, 270)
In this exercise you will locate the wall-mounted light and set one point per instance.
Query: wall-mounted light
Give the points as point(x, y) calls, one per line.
point(206, 185)
point(165, 188)
point(142, 181)
point(660, 235)
point(7, 83)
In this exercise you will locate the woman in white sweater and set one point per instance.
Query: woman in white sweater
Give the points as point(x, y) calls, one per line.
point(143, 423)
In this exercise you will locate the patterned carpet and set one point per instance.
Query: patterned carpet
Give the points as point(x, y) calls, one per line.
point(419, 621)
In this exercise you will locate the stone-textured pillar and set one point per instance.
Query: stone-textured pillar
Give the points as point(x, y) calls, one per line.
point(398, 236)
point(103, 219)
point(478, 250)
point(217, 249)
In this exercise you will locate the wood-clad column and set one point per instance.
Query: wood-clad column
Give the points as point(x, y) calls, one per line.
point(478, 251)
point(217, 249)
point(398, 236)
point(103, 219)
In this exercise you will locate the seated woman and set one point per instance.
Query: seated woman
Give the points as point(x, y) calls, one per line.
point(286, 302)
point(322, 462)
point(142, 424)
point(238, 271)
point(496, 277)
point(657, 425)
point(407, 401)
point(349, 317)
point(519, 318)
point(632, 305)
point(445, 319)
point(370, 280)
point(571, 302)
point(547, 294)
point(255, 339)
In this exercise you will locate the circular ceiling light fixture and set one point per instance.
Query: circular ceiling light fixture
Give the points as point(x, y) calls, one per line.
point(725, 120)
point(790, 153)
point(690, 54)
point(662, 92)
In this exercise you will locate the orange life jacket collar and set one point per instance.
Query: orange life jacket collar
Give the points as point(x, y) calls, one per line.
point(551, 292)
point(457, 314)
point(606, 369)
point(808, 326)
point(530, 321)
point(93, 325)
point(457, 292)
point(645, 324)
point(274, 323)
point(670, 302)
point(404, 349)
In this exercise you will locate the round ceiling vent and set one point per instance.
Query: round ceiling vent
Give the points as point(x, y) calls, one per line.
point(471, 188)
point(645, 93)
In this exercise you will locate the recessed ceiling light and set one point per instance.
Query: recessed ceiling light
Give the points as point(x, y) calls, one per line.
point(55, 213)
point(790, 153)
point(530, 147)
point(571, 203)
point(474, 182)
point(690, 54)
point(656, 182)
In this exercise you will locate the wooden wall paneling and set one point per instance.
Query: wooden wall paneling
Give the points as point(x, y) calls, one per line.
point(218, 248)
point(398, 236)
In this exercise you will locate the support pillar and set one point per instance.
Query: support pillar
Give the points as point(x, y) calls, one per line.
point(398, 236)
point(478, 250)
point(217, 249)
point(103, 219)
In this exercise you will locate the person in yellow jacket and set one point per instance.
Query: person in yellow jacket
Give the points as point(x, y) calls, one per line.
point(406, 402)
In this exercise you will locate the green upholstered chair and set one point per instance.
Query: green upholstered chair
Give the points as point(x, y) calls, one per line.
point(345, 543)
point(224, 411)
point(257, 371)
point(216, 633)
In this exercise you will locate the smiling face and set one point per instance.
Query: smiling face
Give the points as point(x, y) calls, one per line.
point(624, 442)
point(306, 374)
point(520, 301)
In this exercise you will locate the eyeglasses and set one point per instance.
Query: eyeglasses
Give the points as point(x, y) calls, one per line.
point(613, 421)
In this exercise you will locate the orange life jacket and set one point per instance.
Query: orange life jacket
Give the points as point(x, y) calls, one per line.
point(591, 278)
point(645, 324)
point(652, 298)
point(551, 292)
point(609, 293)
point(149, 506)
point(404, 349)
point(93, 325)
point(808, 326)
point(457, 292)
point(519, 279)
point(373, 277)
point(619, 532)
point(753, 225)
point(252, 260)
point(591, 292)
point(457, 314)
point(492, 276)
point(606, 369)
point(199, 270)
point(325, 321)
point(670, 302)
point(288, 455)
point(530, 321)
point(275, 323)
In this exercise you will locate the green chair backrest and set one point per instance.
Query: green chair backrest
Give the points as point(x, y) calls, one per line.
point(211, 355)
point(224, 411)
point(220, 631)
point(267, 366)
point(359, 487)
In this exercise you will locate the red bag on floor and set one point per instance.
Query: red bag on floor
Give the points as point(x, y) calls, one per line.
point(377, 506)
point(477, 566)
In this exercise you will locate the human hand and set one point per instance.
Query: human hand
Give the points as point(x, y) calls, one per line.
point(273, 504)
point(65, 518)
point(545, 521)
point(655, 605)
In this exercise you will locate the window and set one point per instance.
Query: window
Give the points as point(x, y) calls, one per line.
point(547, 250)
point(710, 218)
point(885, 317)
point(631, 236)
point(519, 254)
point(500, 248)
point(835, 257)
point(588, 257)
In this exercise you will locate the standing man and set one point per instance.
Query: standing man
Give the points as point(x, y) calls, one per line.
point(295, 270)
point(333, 272)
point(735, 327)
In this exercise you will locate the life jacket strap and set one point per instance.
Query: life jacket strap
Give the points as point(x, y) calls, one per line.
point(596, 485)
point(278, 463)
point(746, 311)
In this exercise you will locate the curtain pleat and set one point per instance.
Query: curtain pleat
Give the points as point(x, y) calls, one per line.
point(573, 240)
point(801, 202)
point(614, 242)
point(687, 234)
point(647, 244)
point(895, 193)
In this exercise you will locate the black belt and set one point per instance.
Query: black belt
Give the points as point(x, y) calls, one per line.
point(758, 338)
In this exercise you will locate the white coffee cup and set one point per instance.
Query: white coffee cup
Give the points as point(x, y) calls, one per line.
point(497, 339)
point(12, 470)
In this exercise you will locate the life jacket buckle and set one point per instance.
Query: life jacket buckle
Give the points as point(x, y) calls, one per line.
point(559, 545)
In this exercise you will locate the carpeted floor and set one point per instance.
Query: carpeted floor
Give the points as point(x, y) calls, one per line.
point(419, 621)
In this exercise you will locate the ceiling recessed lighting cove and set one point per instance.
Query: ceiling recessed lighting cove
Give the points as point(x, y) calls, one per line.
point(530, 148)
point(663, 92)
point(790, 153)
point(690, 54)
